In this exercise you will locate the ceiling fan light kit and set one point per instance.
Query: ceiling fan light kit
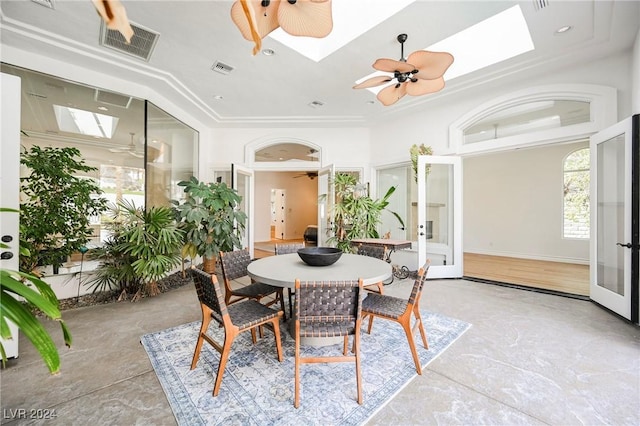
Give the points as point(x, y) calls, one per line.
point(419, 74)
point(257, 18)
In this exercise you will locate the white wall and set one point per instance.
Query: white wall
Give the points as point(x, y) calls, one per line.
point(301, 204)
point(344, 147)
point(513, 205)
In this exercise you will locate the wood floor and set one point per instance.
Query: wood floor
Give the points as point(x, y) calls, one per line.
point(556, 276)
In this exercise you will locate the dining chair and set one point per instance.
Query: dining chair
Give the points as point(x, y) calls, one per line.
point(234, 267)
point(400, 310)
point(287, 249)
point(378, 252)
point(236, 318)
point(328, 309)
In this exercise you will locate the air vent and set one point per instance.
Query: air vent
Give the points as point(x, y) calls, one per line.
point(111, 98)
point(540, 4)
point(46, 3)
point(142, 43)
point(222, 68)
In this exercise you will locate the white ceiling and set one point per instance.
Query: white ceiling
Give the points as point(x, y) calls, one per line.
point(277, 90)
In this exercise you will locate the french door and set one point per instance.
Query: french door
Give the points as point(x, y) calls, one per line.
point(242, 181)
point(615, 228)
point(326, 200)
point(439, 226)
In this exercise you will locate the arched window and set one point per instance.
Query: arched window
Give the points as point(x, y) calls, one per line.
point(575, 204)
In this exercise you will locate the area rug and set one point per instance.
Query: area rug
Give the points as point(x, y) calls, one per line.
point(258, 390)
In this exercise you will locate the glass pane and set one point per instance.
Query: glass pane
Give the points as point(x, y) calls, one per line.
point(527, 118)
point(610, 196)
point(403, 202)
point(439, 214)
point(171, 156)
point(243, 187)
point(287, 152)
point(576, 195)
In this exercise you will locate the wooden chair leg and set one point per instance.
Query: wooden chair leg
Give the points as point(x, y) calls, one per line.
point(224, 356)
point(381, 287)
point(370, 323)
point(412, 345)
point(356, 345)
point(420, 326)
point(276, 332)
point(296, 398)
point(206, 319)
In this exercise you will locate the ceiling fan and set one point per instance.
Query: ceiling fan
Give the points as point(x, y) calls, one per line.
point(419, 74)
point(130, 149)
point(310, 175)
point(257, 18)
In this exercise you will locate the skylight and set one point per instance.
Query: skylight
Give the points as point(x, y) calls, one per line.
point(350, 20)
point(83, 122)
point(496, 39)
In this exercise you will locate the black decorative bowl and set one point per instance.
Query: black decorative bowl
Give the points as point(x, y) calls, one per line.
point(319, 256)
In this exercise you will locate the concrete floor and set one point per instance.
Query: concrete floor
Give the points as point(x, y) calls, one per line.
point(529, 358)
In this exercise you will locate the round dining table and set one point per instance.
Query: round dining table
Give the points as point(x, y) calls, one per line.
point(282, 270)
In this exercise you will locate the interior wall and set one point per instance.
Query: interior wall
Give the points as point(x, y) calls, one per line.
point(513, 205)
point(301, 203)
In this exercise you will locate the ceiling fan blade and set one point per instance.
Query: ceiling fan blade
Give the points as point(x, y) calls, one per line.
point(391, 65)
point(430, 65)
point(265, 18)
point(306, 18)
point(423, 87)
point(115, 16)
point(391, 94)
point(373, 81)
point(136, 154)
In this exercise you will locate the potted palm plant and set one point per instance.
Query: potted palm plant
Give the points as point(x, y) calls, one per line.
point(143, 247)
point(355, 213)
point(211, 218)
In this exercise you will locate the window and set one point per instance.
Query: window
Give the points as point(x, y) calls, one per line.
point(576, 194)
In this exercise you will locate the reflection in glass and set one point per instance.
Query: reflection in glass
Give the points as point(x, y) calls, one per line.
point(287, 152)
point(610, 196)
point(171, 156)
point(528, 117)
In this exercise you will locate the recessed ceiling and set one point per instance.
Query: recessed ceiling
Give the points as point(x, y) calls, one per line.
point(276, 90)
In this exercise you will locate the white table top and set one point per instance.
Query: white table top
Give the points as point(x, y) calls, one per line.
point(282, 270)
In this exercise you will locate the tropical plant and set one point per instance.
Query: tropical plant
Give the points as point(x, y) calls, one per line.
point(56, 214)
point(211, 218)
point(415, 151)
point(356, 214)
point(142, 248)
point(16, 286)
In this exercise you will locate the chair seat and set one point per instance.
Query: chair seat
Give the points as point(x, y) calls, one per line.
point(327, 329)
point(254, 291)
point(249, 313)
point(388, 306)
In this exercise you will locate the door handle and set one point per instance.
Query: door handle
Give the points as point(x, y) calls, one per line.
point(628, 245)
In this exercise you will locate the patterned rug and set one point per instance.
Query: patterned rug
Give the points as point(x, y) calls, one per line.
point(258, 390)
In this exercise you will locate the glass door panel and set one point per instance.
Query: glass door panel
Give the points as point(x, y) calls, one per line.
point(242, 181)
point(615, 204)
point(326, 201)
point(439, 227)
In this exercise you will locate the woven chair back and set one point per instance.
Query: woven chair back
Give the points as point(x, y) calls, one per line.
point(418, 284)
point(328, 301)
point(234, 264)
point(209, 293)
point(288, 248)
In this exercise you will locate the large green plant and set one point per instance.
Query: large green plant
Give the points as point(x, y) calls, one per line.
point(211, 217)
point(144, 246)
point(355, 214)
point(17, 286)
point(55, 215)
